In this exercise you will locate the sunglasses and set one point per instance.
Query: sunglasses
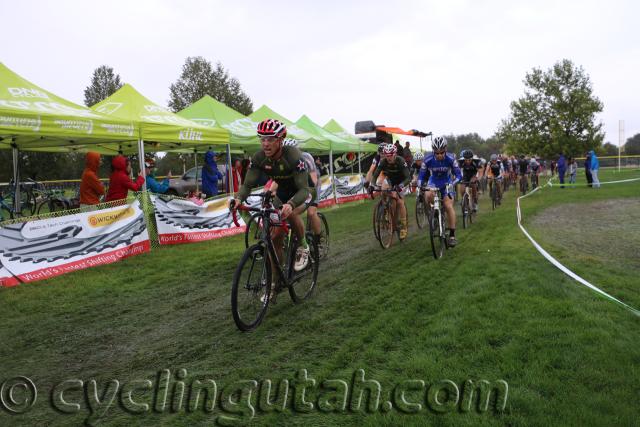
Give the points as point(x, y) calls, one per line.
point(439, 153)
point(268, 139)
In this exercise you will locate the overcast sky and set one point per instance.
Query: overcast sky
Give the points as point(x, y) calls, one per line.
point(443, 66)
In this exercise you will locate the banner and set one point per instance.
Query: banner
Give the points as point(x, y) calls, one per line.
point(349, 188)
point(325, 195)
point(6, 278)
point(183, 221)
point(45, 248)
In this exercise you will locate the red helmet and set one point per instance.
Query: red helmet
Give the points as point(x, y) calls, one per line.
point(272, 127)
point(389, 149)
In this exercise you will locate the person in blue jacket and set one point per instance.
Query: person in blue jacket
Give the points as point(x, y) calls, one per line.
point(210, 175)
point(152, 183)
point(562, 169)
point(595, 166)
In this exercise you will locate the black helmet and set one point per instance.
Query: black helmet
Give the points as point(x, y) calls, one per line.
point(467, 154)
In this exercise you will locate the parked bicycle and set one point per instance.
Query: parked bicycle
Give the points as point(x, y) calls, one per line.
point(254, 278)
point(7, 202)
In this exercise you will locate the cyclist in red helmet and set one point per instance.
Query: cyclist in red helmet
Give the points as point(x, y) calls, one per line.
point(285, 165)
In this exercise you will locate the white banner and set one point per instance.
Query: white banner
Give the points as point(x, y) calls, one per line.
point(183, 221)
point(325, 195)
point(45, 248)
point(349, 188)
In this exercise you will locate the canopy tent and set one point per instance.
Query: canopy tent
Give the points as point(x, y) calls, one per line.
point(308, 142)
point(335, 128)
point(336, 144)
point(158, 128)
point(34, 119)
point(210, 112)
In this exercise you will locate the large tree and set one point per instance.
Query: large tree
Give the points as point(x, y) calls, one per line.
point(103, 84)
point(632, 146)
point(557, 113)
point(200, 78)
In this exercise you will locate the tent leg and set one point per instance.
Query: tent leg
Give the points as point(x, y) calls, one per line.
point(333, 178)
point(229, 177)
point(195, 163)
point(141, 162)
point(16, 179)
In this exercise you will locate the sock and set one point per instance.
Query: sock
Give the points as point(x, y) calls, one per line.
point(304, 243)
point(452, 232)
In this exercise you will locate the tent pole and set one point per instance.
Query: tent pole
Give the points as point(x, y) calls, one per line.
point(333, 178)
point(16, 178)
point(230, 188)
point(359, 166)
point(195, 162)
point(141, 162)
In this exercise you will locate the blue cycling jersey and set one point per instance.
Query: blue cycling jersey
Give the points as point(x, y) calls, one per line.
point(440, 171)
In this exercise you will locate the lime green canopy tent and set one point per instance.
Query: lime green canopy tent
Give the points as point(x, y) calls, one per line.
point(34, 119)
point(335, 128)
point(212, 113)
point(158, 128)
point(337, 144)
point(308, 142)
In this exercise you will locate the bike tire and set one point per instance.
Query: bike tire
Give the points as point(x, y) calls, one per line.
point(385, 227)
point(421, 213)
point(466, 210)
point(324, 243)
point(435, 234)
point(303, 283)
point(256, 254)
point(252, 232)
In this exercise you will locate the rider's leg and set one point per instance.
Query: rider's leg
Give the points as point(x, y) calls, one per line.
point(401, 210)
point(314, 220)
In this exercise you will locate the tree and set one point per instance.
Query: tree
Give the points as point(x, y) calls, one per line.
point(103, 84)
point(608, 149)
point(632, 146)
point(556, 114)
point(199, 78)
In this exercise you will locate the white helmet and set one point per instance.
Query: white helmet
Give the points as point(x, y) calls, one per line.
point(290, 142)
point(439, 143)
point(418, 156)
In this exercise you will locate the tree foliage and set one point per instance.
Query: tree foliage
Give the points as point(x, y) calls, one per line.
point(103, 84)
point(200, 78)
point(474, 142)
point(556, 114)
point(632, 146)
point(608, 149)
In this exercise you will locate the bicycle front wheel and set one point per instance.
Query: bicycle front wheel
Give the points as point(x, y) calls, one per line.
point(435, 233)
point(466, 210)
point(251, 289)
point(421, 212)
point(385, 226)
point(252, 232)
point(302, 283)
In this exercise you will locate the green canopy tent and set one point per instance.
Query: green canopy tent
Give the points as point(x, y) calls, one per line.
point(335, 128)
point(158, 128)
point(308, 142)
point(210, 112)
point(33, 119)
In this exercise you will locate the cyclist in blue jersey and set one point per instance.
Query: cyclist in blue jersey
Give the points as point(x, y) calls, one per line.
point(439, 168)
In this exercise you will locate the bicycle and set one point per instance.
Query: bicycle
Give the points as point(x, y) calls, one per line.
point(494, 193)
point(534, 180)
point(422, 209)
point(524, 184)
point(27, 202)
point(252, 279)
point(385, 218)
point(467, 206)
point(437, 224)
point(50, 200)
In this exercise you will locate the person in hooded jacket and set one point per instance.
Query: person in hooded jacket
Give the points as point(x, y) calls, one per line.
point(152, 183)
point(210, 174)
point(119, 182)
point(90, 187)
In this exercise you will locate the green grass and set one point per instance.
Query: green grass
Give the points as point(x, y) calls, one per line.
point(491, 309)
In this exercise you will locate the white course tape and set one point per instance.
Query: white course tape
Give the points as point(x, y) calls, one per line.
point(555, 262)
point(602, 183)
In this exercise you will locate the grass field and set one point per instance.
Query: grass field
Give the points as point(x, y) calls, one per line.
point(492, 309)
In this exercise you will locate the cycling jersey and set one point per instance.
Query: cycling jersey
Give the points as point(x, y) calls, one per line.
point(469, 170)
point(439, 172)
point(311, 166)
point(524, 167)
point(495, 169)
point(415, 168)
point(376, 160)
point(535, 167)
point(289, 171)
point(396, 171)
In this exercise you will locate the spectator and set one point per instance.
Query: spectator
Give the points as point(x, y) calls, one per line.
point(210, 175)
point(245, 167)
point(595, 166)
point(553, 167)
point(120, 183)
point(222, 167)
point(152, 184)
point(562, 168)
point(91, 189)
point(320, 167)
point(236, 172)
point(398, 148)
point(587, 168)
point(573, 170)
point(407, 154)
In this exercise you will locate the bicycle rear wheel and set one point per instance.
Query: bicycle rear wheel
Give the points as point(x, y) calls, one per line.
point(385, 226)
point(421, 212)
point(436, 233)
point(251, 289)
point(302, 283)
point(323, 244)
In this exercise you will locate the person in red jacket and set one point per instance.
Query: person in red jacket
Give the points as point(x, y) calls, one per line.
point(119, 182)
point(91, 188)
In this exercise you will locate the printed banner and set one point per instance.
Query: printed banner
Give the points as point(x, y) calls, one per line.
point(6, 278)
point(45, 248)
point(325, 196)
point(183, 221)
point(349, 188)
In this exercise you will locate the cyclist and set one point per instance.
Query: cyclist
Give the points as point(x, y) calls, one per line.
point(398, 175)
point(471, 171)
point(494, 171)
point(314, 185)
point(415, 167)
point(534, 166)
point(374, 165)
point(523, 167)
point(438, 167)
point(287, 168)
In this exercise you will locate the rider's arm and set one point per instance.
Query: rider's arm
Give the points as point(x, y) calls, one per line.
point(300, 178)
point(406, 174)
point(378, 170)
point(456, 171)
point(422, 174)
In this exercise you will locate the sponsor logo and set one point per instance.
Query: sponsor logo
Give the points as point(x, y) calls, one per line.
point(301, 166)
point(23, 92)
point(217, 205)
point(104, 219)
point(20, 122)
point(205, 122)
point(267, 167)
point(155, 109)
point(190, 135)
point(109, 107)
point(79, 125)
